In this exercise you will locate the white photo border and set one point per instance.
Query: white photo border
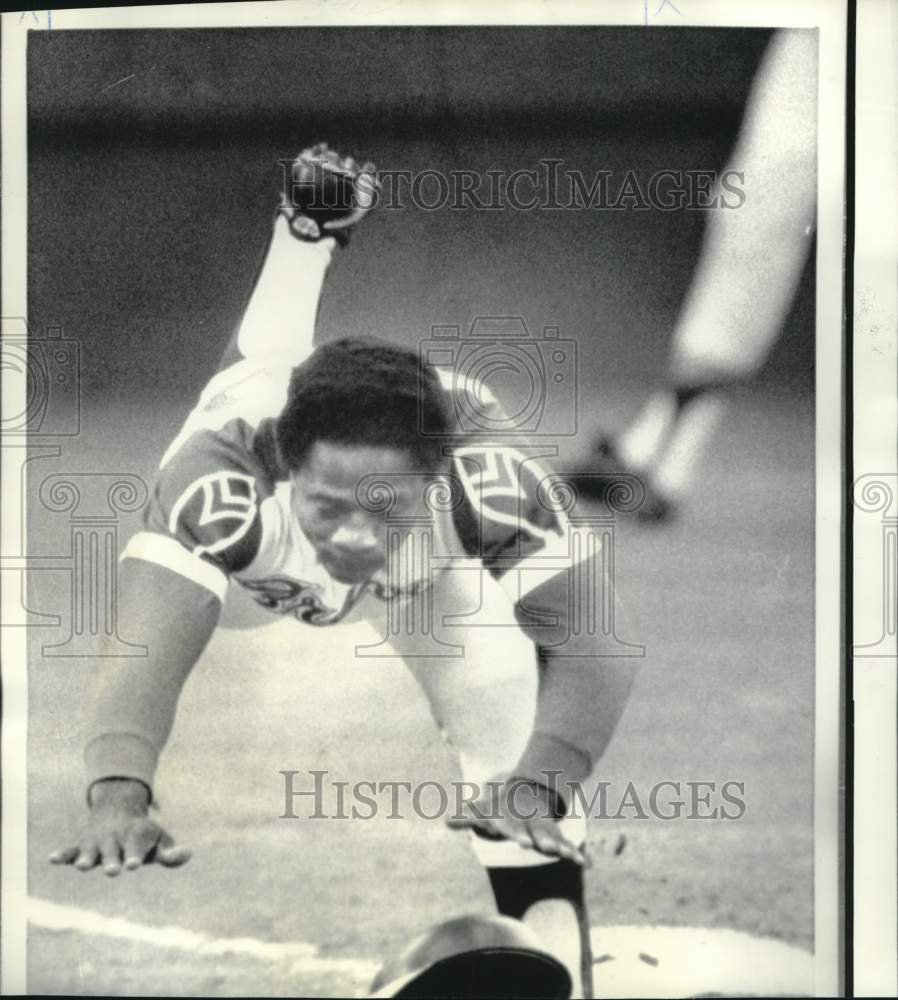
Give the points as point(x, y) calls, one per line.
point(827, 16)
point(874, 514)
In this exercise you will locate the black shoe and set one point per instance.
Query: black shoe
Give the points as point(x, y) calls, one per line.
point(605, 477)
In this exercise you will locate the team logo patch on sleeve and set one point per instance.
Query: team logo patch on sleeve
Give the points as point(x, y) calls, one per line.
point(215, 512)
point(501, 484)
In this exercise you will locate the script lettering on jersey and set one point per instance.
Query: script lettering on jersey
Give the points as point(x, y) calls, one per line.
point(220, 508)
point(284, 595)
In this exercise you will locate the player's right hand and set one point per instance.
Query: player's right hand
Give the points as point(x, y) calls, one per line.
point(120, 832)
point(327, 194)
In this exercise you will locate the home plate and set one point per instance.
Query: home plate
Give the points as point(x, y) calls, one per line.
point(692, 961)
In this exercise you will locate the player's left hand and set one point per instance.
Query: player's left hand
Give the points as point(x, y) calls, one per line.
point(522, 811)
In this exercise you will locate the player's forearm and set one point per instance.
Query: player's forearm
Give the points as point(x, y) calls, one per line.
point(583, 690)
point(137, 697)
point(581, 701)
point(280, 316)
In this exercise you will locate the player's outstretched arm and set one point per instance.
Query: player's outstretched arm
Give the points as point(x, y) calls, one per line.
point(516, 529)
point(133, 712)
point(582, 696)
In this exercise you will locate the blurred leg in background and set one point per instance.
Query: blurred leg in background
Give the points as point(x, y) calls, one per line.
point(749, 267)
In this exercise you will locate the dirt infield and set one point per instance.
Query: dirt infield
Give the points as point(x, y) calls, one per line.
point(740, 708)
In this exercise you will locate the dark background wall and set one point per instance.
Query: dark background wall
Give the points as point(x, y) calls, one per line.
point(153, 169)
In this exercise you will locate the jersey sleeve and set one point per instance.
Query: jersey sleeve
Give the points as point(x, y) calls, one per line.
point(506, 517)
point(203, 519)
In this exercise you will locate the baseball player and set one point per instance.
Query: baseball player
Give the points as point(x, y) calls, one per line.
point(277, 498)
point(743, 285)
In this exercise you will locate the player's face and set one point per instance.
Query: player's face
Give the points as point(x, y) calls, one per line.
point(339, 507)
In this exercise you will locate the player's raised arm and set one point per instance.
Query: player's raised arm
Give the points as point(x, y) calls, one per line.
point(324, 196)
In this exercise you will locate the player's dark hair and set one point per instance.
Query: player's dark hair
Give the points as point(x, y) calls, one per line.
point(361, 390)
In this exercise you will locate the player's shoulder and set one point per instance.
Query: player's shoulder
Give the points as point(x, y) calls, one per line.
point(496, 468)
point(508, 507)
point(208, 495)
point(221, 467)
point(246, 393)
